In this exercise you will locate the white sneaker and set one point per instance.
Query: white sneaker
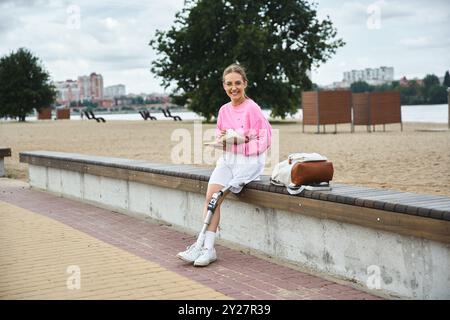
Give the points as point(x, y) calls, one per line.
point(206, 257)
point(191, 254)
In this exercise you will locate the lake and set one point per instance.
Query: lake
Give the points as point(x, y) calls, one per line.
point(419, 113)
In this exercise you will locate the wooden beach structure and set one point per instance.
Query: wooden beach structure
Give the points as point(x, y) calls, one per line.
point(326, 107)
point(372, 108)
point(63, 113)
point(45, 114)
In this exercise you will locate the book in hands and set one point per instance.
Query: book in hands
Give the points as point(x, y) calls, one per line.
point(231, 137)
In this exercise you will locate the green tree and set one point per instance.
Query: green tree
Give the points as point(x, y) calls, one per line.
point(24, 85)
point(437, 95)
point(277, 42)
point(430, 90)
point(361, 86)
point(430, 80)
point(446, 83)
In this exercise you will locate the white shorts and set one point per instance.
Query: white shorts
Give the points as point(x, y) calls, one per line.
point(236, 170)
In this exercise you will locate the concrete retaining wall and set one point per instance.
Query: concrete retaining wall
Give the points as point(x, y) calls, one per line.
point(388, 263)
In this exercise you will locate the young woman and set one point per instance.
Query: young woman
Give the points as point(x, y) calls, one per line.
point(239, 163)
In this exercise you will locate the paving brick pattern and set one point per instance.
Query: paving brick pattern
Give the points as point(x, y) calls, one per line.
point(234, 275)
point(44, 259)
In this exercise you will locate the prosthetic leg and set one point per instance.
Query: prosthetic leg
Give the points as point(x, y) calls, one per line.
point(193, 252)
point(211, 208)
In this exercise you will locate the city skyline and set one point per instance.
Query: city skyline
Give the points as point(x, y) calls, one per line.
point(81, 37)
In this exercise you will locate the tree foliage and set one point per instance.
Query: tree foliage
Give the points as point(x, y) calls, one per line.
point(277, 42)
point(24, 85)
point(447, 80)
point(427, 91)
point(361, 86)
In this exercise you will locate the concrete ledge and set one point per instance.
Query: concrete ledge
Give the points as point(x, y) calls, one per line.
point(4, 152)
point(400, 254)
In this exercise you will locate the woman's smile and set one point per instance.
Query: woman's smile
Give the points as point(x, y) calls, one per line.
point(234, 86)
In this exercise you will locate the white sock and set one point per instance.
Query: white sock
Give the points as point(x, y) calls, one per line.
point(209, 240)
point(201, 240)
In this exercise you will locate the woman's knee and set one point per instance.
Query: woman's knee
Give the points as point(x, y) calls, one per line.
point(212, 188)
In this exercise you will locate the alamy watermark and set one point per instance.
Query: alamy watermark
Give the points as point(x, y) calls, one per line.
point(190, 148)
point(374, 277)
point(74, 280)
point(74, 17)
point(374, 20)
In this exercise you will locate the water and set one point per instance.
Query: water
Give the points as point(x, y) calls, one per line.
point(420, 113)
point(432, 113)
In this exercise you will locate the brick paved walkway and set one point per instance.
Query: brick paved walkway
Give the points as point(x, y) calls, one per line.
point(121, 257)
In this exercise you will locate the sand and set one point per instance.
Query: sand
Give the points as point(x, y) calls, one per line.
point(415, 160)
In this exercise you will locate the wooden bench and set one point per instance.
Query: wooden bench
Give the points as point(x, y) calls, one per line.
point(341, 232)
point(401, 212)
point(4, 152)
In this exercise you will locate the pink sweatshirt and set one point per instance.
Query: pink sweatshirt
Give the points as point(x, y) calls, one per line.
point(248, 120)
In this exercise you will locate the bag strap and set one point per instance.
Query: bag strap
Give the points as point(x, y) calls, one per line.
point(295, 190)
point(291, 188)
point(277, 183)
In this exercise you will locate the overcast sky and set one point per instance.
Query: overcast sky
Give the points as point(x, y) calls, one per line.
point(78, 37)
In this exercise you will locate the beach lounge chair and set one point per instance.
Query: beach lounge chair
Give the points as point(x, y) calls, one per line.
point(88, 116)
point(143, 115)
point(98, 119)
point(174, 117)
point(167, 114)
point(146, 115)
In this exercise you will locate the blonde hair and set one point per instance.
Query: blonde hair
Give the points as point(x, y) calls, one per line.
point(235, 68)
point(238, 69)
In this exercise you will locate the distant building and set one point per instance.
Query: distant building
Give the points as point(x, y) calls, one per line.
point(117, 90)
point(84, 85)
point(106, 103)
point(337, 85)
point(67, 91)
point(375, 76)
point(91, 87)
point(405, 82)
point(96, 86)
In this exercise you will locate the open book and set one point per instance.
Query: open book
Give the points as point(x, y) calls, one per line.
point(230, 137)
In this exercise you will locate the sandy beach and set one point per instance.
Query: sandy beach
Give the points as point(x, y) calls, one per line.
point(415, 160)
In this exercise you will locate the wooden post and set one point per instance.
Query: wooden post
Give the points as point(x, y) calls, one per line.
point(448, 101)
point(318, 112)
point(352, 113)
point(369, 114)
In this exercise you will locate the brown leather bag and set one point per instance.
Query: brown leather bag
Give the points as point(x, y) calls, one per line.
point(304, 173)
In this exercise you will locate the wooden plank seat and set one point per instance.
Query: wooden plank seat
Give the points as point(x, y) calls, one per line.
point(407, 213)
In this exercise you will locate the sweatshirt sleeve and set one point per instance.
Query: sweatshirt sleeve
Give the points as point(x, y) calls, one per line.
point(260, 134)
